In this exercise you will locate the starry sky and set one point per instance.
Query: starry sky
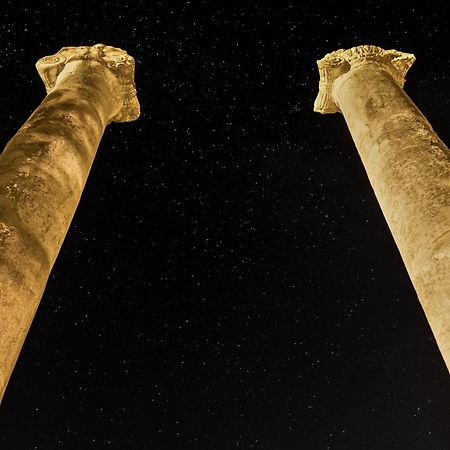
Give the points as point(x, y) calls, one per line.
point(228, 280)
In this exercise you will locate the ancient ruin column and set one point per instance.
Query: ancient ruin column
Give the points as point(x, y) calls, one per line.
point(406, 162)
point(43, 170)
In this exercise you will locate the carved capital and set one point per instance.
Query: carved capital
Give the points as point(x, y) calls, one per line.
point(338, 63)
point(117, 60)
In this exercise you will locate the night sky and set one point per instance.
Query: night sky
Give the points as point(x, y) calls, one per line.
point(228, 280)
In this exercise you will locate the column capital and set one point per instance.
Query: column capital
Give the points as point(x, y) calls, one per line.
point(335, 64)
point(117, 60)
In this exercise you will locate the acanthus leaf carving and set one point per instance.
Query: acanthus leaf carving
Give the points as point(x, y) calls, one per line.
point(339, 62)
point(117, 60)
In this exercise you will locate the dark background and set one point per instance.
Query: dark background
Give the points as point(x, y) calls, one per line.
point(228, 281)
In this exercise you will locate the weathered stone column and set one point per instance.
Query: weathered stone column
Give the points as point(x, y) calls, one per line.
point(406, 162)
point(43, 170)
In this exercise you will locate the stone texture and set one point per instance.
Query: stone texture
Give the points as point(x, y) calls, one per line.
point(407, 164)
point(43, 170)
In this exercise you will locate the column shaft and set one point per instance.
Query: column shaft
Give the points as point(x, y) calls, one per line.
point(43, 170)
point(409, 169)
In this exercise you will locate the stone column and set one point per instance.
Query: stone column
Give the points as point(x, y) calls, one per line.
point(43, 170)
point(406, 162)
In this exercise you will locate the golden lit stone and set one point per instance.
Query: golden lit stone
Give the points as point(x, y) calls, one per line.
point(43, 170)
point(406, 162)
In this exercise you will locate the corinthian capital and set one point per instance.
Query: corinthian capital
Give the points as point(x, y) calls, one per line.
point(117, 60)
point(335, 64)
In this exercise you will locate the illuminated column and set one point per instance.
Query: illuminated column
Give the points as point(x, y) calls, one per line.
point(406, 162)
point(43, 170)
